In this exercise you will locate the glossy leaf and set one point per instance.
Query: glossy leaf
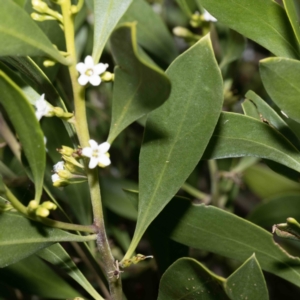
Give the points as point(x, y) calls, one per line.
point(212, 229)
point(234, 48)
point(281, 79)
point(21, 36)
point(152, 33)
point(276, 209)
point(139, 86)
point(247, 282)
point(107, 15)
point(21, 115)
point(237, 135)
point(266, 183)
point(187, 279)
point(177, 133)
point(21, 237)
point(264, 22)
point(292, 8)
point(33, 276)
point(57, 256)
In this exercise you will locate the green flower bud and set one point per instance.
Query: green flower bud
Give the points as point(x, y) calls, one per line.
point(49, 205)
point(42, 212)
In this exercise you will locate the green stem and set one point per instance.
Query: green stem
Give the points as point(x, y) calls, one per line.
point(196, 193)
point(83, 136)
point(213, 170)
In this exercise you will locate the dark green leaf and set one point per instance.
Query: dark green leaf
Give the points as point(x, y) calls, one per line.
point(33, 276)
point(265, 22)
point(215, 230)
point(276, 210)
point(247, 282)
point(281, 77)
point(107, 15)
point(178, 132)
point(152, 33)
point(187, 279)
point(21, 114)
point(139, 86)
point(57, 256)
point(21, 237)
point(21, 36)
point(237, 135)
point(292, 8)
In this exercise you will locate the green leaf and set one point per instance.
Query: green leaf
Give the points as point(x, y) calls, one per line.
point(247, 282)
point(265, 22)
point(266, 183)
point(268, 115)
point(139, 86)
point(21, 237)
point(292, 8)
point(33, 276)
point(57, 256)
point(235, 45)
point(21, 114)
point(281, 79)
point(187, 279)
point(177, 133)
point(215, 230)
point(21, 36)
point(107, 15)
point(237, 135)
point(276, 209)
point(152, 33)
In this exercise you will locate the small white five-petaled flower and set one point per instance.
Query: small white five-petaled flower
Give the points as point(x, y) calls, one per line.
point(208, 17)
point(89, 72)
point(97, 153)
point(43, 108)
point(59, 166)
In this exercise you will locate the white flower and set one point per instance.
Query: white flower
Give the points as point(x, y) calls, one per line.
point(59, 166)
point(89, 72)
point(43, 108)
point(97, 153)
point(55, 178)
point(208, 17)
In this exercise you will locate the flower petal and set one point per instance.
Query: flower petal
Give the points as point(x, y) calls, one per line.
point(100, 68)
point(81, 68)
point(104, 160)
point(93, 144)
point(89, 62)
point(104, 147)
point(95, 80)
point(87, 151)
point(59, 166)
point(55, 177)
point(93, 162)
point(83, 79)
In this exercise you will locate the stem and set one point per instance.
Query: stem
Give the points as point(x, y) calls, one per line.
point(213, 170)
point(196, 193)
point(83, 136)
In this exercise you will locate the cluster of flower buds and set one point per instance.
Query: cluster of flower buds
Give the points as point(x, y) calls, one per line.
point(45, 109)
point(69, 170)
point(44, 12)
point(133, 260)
point(40, 210)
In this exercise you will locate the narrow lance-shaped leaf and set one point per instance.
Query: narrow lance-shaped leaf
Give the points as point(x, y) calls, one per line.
point(281, 77)
point(212, 229)
point(57, 256)
point(152, 33)
point(247, 282)
point(107, 15)
point(177, 133)
point(292, 8)
point(265, 22)
point(21, 237)
point(237, 135)
point(21, 36)
point(21, 115)
point(139, 86)
point(187, 279)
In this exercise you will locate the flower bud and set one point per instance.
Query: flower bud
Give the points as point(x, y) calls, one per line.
point(42, 212)
point(66, 151)
point(107, 76)
point(48, 63)
point(39, 6)
point(49, 205)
